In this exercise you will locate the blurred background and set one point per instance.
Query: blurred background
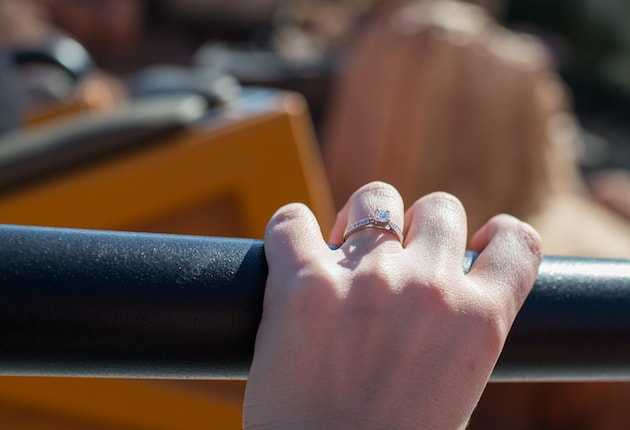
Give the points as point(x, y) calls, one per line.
point(203, 116)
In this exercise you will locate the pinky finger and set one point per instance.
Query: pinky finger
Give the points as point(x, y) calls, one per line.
point(509, 255)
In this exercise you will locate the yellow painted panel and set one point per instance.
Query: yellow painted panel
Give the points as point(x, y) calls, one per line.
point(224, 176)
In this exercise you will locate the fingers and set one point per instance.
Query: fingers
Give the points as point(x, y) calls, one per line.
point(292, 236)
point(435, 232)
point(336, 235)
point(436, 229)
point(510, 252)
point(373, 215)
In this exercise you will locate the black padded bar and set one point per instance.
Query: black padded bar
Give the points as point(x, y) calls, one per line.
point(96, 303)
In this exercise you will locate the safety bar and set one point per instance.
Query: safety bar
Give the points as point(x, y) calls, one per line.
point(109, 304)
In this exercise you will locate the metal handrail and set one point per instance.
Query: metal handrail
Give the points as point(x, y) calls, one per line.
point(97, 303)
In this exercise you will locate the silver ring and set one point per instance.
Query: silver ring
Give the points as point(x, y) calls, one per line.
point(381, 220)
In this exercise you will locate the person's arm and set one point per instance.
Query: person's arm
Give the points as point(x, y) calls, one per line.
point(380, 334)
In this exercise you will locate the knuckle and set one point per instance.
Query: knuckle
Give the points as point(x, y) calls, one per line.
point(483, 321)
point(478, 311)
point(484, 317)
point(283, 219)
point(314, 290)
point(374, 287)
point(442, 201)
point(435, 290)
point(523, 233)
point(446, 200)
point(489, 324)
point(378, 188)
point(445, 210)
point(382, 269)
point(369, 296)
point(379, 272)
point(288, 213)
point(530, 237)
point(436, 298)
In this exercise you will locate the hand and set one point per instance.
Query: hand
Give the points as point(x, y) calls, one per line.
point(379, 334)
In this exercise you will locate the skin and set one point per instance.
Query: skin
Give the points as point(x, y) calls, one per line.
point(377, 334)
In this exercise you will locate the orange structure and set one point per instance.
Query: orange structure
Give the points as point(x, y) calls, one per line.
point(224, 175)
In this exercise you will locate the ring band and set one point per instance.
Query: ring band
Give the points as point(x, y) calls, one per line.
point(381, 220)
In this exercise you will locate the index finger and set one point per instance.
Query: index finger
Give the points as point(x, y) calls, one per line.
point(293, 236)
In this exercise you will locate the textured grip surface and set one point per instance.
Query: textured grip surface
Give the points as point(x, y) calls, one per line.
point(96, 303)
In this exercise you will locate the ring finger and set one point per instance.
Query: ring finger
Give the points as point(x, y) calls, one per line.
point(373, 215)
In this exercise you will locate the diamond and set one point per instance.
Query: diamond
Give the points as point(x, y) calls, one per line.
point(382, 215)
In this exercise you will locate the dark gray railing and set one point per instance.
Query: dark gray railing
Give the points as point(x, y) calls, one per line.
point(82, 302)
